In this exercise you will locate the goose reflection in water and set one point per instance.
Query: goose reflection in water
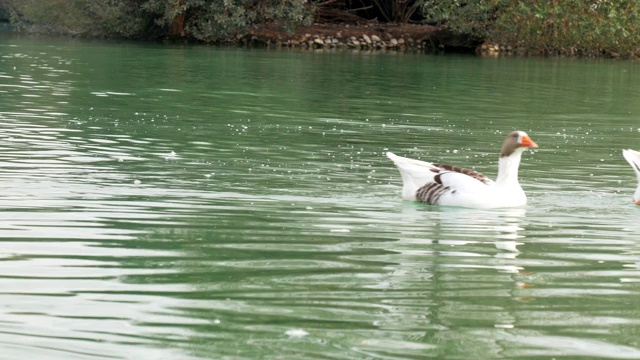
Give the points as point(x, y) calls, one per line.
point(461, 230)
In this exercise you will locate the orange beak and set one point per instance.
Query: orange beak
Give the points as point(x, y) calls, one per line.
point(638, 202)
point(527, 142)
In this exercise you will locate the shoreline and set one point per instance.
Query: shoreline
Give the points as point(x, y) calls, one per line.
point(371, 36)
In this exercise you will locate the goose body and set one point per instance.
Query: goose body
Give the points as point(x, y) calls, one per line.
point(448, 185)
point(633, 157)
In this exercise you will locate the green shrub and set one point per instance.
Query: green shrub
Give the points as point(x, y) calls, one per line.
point(474, 18)
point(206, 20)
point(574, 27)
point(214, 21)
point(79, 17)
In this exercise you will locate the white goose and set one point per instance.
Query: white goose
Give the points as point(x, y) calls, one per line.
point(633, 157)
point(440, 184)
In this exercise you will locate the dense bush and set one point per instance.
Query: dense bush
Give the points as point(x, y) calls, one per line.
point(206, 20)
point(573, 27)
point(214, 21)
point(467, 17)
point(88, 17)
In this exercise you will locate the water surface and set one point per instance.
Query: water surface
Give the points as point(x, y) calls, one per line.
point(192, 202)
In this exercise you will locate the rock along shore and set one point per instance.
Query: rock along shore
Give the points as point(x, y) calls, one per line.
point(366, 37)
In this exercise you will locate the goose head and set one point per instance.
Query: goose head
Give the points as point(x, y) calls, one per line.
point(516, 142)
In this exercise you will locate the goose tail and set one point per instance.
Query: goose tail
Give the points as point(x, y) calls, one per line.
point(415, 174)
point(633, 158)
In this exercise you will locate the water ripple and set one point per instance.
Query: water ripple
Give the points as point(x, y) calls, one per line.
point(249, 209)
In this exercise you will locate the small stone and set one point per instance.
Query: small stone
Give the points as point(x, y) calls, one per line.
point(401, 41)
point(356, 42)
point(328, 41)
point(366, 38)
point(318, 41)
point(353, 38)
point(375, 38)
point(394, 42)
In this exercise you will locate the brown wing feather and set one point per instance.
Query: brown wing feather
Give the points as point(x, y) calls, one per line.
point(474, 174)
point(431, 193)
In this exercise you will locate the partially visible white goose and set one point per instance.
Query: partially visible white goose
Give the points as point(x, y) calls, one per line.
point(440, 184)
point(633, 157)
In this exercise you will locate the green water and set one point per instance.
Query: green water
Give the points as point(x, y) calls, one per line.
point(186, 202)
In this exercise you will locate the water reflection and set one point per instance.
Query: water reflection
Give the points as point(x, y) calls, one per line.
point(444, 262)
point(457, 227)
